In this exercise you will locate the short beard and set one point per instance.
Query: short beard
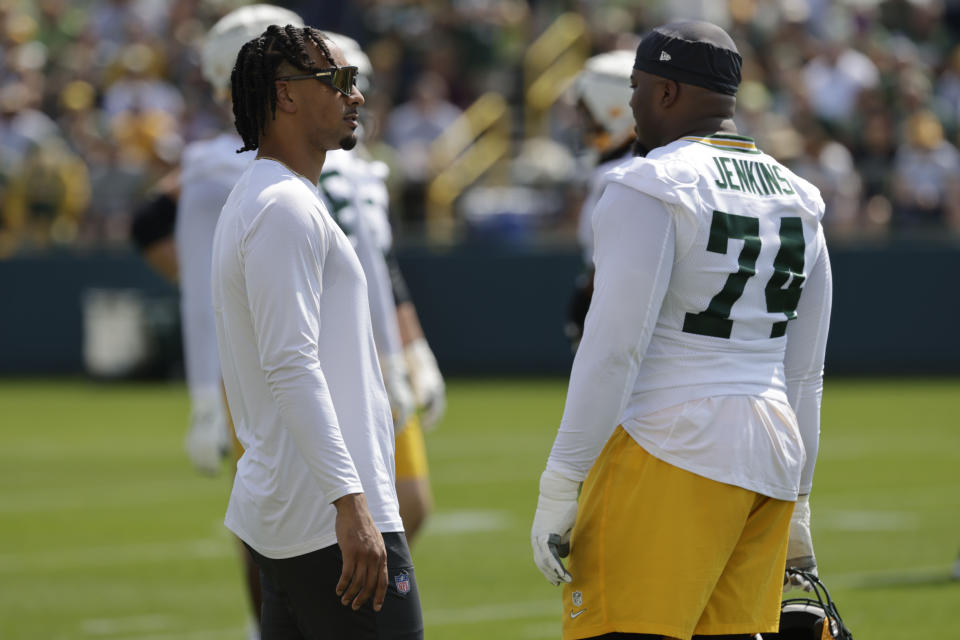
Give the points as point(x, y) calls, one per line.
point(348, 142)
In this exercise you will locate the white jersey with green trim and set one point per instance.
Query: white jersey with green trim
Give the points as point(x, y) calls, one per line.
point(747, 232)
point(707, 330)
point(355, 192)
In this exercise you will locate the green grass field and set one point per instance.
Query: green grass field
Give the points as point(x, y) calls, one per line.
point(106, 533)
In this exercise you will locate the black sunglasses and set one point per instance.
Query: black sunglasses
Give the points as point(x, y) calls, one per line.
point(342, 79)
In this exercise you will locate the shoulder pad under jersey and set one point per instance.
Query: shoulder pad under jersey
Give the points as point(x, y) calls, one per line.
point(671, 180)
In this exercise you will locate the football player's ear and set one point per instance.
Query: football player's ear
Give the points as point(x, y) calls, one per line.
point(669, 91)
point(285, 99)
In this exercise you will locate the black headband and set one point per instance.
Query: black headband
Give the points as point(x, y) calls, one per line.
point(692, 62)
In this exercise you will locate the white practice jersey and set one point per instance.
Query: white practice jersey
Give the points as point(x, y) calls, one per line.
point(355, 193)
point(209, 169)
point(598, 180)
point(698, 340)
point(299, 365)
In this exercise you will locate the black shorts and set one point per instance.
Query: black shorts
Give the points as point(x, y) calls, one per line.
point(300, 600)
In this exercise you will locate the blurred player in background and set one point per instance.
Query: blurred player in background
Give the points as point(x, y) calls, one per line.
point(175, 234)
point(700, 346)
point(354, 189)
point(602, 92)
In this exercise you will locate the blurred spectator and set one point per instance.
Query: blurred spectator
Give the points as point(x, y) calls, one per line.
point(832, 86)
point(22, 125)
point(834, 79)
point(829, 165)
point(117, 186)
point(948, 90)
point(139, 88)
point(926, 177)
point(411, 128)
point(114, 21)
point(46, 196)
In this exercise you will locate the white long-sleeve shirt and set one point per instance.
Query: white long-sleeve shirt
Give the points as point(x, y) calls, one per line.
point(598, 182)
point(299, 365)
point(702, 250)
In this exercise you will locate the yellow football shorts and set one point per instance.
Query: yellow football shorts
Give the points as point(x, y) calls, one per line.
point(411, 452)
point(659, 550)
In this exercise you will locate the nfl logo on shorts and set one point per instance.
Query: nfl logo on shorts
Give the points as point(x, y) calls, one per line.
point(403, 582)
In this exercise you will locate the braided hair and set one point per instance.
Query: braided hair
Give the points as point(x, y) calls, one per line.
point(255, 71)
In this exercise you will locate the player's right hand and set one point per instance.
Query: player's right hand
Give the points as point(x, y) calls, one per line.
point(552, 525)
point(364, 554)
point(800, 546)
point(208, 438)
point(397, 383)
point(429, 390)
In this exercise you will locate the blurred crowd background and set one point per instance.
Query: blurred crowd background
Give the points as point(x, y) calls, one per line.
point(99, 97)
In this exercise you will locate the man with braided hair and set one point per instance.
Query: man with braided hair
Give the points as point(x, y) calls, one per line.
point(693, 413)
point(313, 497)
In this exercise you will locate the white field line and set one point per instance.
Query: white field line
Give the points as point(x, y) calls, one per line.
point(114, 555)
point(449, 523)
point(890, 577)
point(540, 630)
point(492, 612)
point(529, 610)
point(235, 633)
point(467, 521)
point(128, 624)
point(437, 617)
point(87, 498)
point(865, 520)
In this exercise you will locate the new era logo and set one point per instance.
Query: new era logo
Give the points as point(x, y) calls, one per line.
point(664, 56)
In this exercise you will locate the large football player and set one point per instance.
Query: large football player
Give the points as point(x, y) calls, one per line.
point(693, 414)
point(602, 92)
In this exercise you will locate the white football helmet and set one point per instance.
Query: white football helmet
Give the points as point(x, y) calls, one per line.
point(231, 32)
point(603, 87)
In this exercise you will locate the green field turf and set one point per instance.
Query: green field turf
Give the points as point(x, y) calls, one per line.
point(106, 533)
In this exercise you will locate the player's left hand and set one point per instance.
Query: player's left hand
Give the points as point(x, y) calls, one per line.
point(800, 553)
point(552, 524)
point(364, 573)
point(428, 388)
